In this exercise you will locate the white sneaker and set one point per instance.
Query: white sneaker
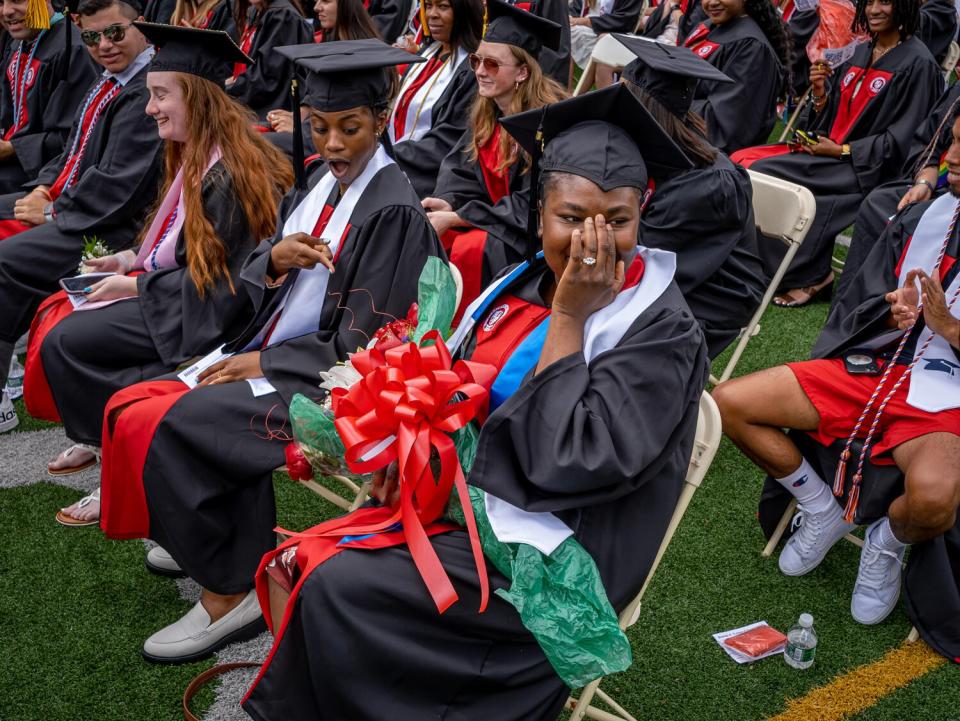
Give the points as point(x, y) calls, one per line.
point(160, 562)
point(15, 379)
point(877, 589)
point(8, 414)
point(810, 543)
point(193, 637)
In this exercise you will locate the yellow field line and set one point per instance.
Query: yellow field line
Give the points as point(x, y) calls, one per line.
point(861, 688)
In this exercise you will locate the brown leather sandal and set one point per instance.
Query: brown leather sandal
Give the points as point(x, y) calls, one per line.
point(799, 297)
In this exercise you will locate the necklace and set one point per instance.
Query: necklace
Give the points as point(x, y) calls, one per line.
point(883, 51)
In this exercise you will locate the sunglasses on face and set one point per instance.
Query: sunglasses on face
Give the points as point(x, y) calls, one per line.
point(489, 64)
point(113, 33)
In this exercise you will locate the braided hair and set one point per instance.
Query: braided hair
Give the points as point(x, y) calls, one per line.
point(772, 25)
point(906, 17)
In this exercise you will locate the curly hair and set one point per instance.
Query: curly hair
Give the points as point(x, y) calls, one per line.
point(772, 25)
point(906, 17)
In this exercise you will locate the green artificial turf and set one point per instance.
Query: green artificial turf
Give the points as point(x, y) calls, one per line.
point(74, 608)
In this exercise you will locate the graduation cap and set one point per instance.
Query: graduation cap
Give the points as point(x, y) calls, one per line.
point(668, 73)
point(208, 54)
point(509, 24)
point(605, 136)
point(340, 75)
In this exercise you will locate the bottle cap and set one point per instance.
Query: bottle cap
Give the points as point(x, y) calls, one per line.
point(806, 620)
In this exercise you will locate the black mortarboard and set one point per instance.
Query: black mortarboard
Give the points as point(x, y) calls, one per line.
point(208, 54)
point(668, 73)
point(606, 136)
point(509, 24)
point(347, 74)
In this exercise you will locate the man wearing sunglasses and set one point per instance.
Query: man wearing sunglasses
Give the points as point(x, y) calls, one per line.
point(43, 83)
point(101, 184)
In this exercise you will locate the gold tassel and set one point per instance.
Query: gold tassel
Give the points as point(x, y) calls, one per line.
point(38, 16)
point(423, 21)
point(841, 473)
point(483, 33)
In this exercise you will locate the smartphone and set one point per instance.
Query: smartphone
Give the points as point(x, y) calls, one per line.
point(76, 284)
point(806, 137)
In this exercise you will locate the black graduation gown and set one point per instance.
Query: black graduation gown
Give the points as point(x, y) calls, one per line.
point(390, 17)
point(223, 19)
point(265, 85)
point(53, 95)
point(117, 181)
point(420, 159)
point(900, 88)
point(705, 216)
point(881, 204)
point(225, 468)
point(741, 113)
point(159, 11)
point(555, 63)
point(659, 19)
point(802, 25)
point(90, 355)
point(461, 184)
point(859, 313)
point(365, 641)
point(622, 18)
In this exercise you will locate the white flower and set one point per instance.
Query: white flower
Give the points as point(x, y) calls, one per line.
point(339, 376)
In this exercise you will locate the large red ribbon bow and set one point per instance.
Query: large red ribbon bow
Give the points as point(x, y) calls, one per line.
point(407, 403)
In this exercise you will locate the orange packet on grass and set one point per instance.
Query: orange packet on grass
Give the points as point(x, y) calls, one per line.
point(757, 641)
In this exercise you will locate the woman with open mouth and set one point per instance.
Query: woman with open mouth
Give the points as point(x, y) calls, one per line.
point(855, 135)
point(345, 259)
point(432, 108)
point(747, 41)
point(482, 198)
point(174, 297)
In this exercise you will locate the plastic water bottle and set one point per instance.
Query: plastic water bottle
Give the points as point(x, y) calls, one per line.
point(14, 380)
point(801, 645)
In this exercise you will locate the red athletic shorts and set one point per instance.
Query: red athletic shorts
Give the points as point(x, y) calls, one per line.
point(839, 398)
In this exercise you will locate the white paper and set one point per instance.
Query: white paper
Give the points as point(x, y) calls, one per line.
point(802, 6)
point(260, 386)
point(835, 57)
point(189, 376)
point(742, 657)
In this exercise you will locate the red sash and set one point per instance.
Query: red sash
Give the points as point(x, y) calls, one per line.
point(403, 104)
point(871, 83)
point(496, 180)
point(246, 43)
point(748, 156)
point(21, 74)
point(36, 390)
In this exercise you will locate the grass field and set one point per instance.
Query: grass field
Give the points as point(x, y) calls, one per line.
point(74, 607)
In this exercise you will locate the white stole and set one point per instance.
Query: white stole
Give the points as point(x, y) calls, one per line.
point(603, 330)
point(419, 118)
point(935, 379)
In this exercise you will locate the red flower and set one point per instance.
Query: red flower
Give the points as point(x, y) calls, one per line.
point(397, 332)
point(298, 466)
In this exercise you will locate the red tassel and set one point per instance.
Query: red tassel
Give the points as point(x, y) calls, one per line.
point(841, 474)
point(853, 500)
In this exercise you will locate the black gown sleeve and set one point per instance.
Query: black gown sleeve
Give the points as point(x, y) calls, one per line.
point(576, 435)
point(622, 19)
point(924, 133)
point(420, 159)
point(460, 180)
point(556, 63)
point(181, 323)
point(266, 80)
point(938, 26)
point(739, 113)
point(63, 93)
point(802, 25)
point(125, 177)
point(393, 246)
point(390, 17)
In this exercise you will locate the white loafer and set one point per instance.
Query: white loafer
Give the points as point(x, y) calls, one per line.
point(160, 562)
point(193, 637)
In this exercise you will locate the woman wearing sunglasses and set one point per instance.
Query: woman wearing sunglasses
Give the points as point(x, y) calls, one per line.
point(174, 297)
point(264, 84)
point(431, 109)
point(482, 198)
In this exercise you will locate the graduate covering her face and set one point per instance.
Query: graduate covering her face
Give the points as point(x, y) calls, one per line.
point(203, 489)
point(599, 365)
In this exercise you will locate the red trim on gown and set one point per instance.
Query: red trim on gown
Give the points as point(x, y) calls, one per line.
point(246, 42)
point(748, 156)
point(851, 107)
point(36, 391)
point(465, 247)
point(403, 104)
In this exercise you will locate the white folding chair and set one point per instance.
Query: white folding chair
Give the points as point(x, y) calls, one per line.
point(608, 51)
point(950, 61)
point(705, 444)
point(784, 211)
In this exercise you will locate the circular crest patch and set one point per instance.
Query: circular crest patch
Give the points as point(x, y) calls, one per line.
point(877, 84)
point(31, 72)
point(704, 50)
point(495, 316)
point(848, 78)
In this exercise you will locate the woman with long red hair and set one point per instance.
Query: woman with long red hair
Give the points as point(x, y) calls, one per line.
point(176, 296)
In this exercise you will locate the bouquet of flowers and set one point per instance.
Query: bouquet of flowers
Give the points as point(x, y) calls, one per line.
point(92, 248)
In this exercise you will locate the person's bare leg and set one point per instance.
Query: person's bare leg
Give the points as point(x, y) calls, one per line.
point(756, 408)
point(219, 605)
point(928, 506)
point(604, 76)
point(278, 602)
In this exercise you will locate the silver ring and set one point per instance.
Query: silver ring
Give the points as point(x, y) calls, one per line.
point(589, 261)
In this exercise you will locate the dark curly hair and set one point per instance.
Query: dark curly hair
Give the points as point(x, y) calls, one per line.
point(772, 25)
point(906, 17)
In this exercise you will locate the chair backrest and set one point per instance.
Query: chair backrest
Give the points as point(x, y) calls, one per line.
point(644, 6)
point(782, 209)
point(457, 282)
point(705, 444)
point(951, 59)
point(608, 51)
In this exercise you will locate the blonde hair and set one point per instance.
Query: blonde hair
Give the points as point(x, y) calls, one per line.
point(192, 11)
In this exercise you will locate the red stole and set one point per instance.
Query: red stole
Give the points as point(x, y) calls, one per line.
point(852, 103)
point(698, 43)
point(246, 43)
point(496, 179)
point(403, 103)
point(22, 74)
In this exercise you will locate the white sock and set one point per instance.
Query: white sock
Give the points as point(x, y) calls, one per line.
point(882, 536)
point(808, 488)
